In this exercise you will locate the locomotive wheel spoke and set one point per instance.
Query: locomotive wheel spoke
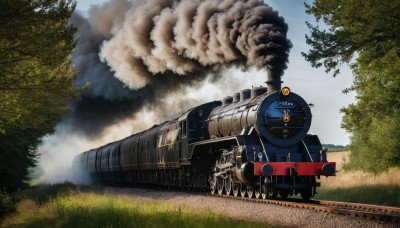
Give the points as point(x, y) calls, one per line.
point(243, 190)
point(213, 183)
point(264, 190)
point(220, 185)
point(264, 196)
point(236, 189)
point(264, 193)
point(250, 191)
point(228, 185)
point(257, 192)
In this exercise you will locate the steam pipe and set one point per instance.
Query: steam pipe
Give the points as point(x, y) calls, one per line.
point(274, 80)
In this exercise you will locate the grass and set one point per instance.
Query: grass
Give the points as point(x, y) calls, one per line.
point(358, 186)
point(44, 193)
point(387, 195)
point(75, 208)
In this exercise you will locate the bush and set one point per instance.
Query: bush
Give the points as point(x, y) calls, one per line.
point(7, 203)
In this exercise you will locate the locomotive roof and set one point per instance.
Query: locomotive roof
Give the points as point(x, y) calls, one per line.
point(184, 115)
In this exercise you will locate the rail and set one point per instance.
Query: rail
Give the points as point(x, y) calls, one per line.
point(373, 212)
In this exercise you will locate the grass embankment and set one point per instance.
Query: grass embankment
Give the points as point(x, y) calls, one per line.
point(335, 148)
point(68, 206)
point(360, 187)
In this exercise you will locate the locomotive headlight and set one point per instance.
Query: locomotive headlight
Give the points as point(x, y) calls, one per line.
point(285, 91)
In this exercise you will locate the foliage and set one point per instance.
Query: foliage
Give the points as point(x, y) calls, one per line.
point(367, 28)
point(36, 79)
point(374, 120)
point(375, 147)
point(364, 34)
point(7, 204)
point(16, 154)
point(76, 209)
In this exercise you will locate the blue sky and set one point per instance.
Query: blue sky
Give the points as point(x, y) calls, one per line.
point(316, 86)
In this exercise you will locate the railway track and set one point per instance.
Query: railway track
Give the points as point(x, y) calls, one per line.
point(373, 212)
point(367, 211)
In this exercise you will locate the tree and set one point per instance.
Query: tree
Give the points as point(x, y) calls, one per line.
point(36, 79)
point(363, 34)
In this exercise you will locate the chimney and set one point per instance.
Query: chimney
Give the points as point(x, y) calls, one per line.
point(274, 80)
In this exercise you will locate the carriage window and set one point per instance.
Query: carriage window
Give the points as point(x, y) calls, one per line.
point(183, 129)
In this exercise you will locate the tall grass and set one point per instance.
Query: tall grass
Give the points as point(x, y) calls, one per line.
point(358, 186)
point(349, 179)
point(84, 209)
point(44, 193)
point(387, 195)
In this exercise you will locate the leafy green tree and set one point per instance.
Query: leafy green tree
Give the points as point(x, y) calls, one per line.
point(17, 153)
point(363, 34)
point(36, 79)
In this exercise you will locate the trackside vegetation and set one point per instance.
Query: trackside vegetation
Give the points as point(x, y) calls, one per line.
point(364, 35)
point(359, 186)
point(68, 205)
point(7, 203)
point(386, 195)
point(71, 206)
point(36, 80)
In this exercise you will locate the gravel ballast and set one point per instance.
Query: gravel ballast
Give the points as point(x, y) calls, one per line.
point(248, 211)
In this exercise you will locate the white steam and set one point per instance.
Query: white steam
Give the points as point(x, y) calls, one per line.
point(58, 150)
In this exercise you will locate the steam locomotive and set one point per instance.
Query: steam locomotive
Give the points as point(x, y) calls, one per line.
point(253, 144)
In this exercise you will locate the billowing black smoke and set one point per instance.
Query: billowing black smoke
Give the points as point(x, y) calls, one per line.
point(108, 100)
point(157, 36)
point(156, 47)
point(143, 57)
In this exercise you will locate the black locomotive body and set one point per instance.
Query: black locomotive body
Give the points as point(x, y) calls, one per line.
point(254, 143)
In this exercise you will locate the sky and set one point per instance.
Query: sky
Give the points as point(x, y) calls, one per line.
point(314, 85)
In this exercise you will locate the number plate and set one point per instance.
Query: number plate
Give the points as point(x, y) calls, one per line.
point(286, 104)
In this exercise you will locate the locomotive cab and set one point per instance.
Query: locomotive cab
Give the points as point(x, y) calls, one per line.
point(193, 127)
